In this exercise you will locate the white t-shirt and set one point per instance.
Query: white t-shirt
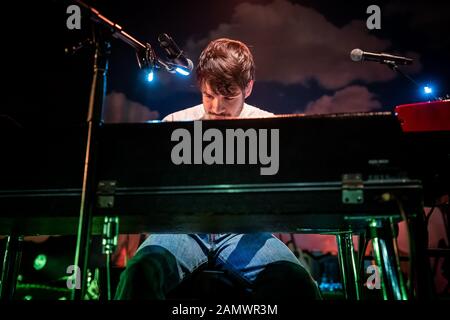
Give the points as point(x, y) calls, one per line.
point(198, 112)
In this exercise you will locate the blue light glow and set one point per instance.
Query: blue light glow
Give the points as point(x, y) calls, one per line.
point(427, 90)
point(182, 71)
point(150, 76)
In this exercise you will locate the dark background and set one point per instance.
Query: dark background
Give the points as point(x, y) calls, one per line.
point(301, 50)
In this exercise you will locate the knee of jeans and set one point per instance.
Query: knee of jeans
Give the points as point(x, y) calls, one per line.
point(151, 257)
point(285, 280)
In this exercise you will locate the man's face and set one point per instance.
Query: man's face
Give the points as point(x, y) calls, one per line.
point(218, 106)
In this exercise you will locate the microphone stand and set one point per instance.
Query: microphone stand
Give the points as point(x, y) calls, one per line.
point(146, 59)
point(94, 122)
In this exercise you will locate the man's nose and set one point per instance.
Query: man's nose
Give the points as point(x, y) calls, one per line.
point(217, 106)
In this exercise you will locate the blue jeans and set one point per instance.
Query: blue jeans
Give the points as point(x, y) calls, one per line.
point(176, 256)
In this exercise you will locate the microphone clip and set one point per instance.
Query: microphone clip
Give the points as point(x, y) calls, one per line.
point(177, 63)
point(146, 58)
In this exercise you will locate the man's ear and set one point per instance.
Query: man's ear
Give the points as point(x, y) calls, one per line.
point(249, 88)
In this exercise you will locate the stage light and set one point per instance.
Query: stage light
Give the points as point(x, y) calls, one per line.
point(427, 90)
point(150, 76)
point(182, 71)
point(40, 261)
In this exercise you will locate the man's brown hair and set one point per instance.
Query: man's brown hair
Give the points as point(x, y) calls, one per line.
point(227, 66)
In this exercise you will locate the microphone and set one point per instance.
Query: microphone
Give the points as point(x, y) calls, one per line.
point(359, 55)
point(178, 62)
